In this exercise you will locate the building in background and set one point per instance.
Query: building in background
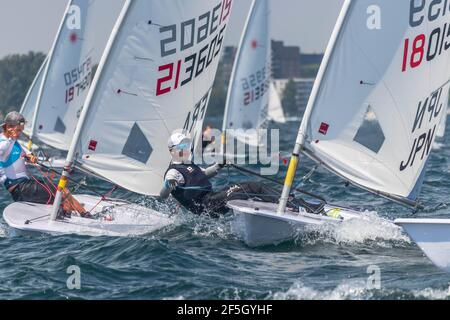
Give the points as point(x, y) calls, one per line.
point(288, 64)
point(285, 61)
point(303, 88)
point(311, 58)
point(226, 65)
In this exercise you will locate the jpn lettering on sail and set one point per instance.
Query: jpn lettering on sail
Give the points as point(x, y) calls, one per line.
point(382, 95)
point(156, 79)
point(248, 93)
point(29, 103)
point(77, 50)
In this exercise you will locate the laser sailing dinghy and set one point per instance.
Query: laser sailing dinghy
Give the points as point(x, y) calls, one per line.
point(58, 93)
point(252, 99)
point(155, 77)
point(372, 115)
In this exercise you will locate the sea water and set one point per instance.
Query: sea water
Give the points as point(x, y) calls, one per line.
point(203, 258)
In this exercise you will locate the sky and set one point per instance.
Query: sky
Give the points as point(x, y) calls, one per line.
point(32, 24)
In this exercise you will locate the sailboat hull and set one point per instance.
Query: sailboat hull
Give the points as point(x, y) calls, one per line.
point(112, 218)
point(433, 238)
point(259, 224)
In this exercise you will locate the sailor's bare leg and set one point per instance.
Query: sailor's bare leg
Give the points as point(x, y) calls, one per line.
point(71, 204)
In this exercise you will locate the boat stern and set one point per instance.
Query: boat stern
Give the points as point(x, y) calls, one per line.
point(432, 236)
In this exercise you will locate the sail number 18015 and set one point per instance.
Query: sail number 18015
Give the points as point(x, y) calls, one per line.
point(425, 48)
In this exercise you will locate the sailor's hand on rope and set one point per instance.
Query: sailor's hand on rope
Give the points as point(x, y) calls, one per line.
point(31, 158)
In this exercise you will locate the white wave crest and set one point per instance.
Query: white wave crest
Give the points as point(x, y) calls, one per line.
point(2, 231)
point(432, 294)
point(355, 289)
point(437, 145)
point(205, 226)
point(369, 227)
point(178, 298)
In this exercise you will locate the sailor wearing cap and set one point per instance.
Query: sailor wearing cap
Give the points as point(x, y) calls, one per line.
point(187, 182)
point(13, 172)
point(190, 185)
point(12, 157)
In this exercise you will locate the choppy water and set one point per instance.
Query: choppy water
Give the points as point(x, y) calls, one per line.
point(200, 258)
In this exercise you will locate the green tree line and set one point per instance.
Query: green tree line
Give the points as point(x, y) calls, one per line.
point(17, 73)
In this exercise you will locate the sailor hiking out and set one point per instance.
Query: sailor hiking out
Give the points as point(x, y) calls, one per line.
point(14, 175)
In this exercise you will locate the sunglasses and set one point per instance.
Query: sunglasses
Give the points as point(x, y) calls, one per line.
point(182, 146)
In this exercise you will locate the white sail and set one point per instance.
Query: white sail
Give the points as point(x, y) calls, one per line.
point(275, 112)
point(29, 103)
point(156, 77)
point(440, 132)
point(380, 96)
point(77, 49)
point(248, 93)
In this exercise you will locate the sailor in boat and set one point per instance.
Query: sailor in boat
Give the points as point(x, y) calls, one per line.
point(13, 172)
point(190, 185)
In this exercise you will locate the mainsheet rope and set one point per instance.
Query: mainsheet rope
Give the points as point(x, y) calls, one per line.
point(45, 186)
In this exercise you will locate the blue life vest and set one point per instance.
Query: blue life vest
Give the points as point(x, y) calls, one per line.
point(16, 153)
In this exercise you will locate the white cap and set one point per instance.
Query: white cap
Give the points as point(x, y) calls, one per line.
point(177, 139)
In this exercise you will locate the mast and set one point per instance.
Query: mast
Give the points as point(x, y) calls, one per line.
point(293, 164)
point(76, 138)
point(44, 77)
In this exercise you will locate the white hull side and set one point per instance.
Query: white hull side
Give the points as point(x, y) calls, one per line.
point(433, 238)
point(115, 218)
point(259, 224)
